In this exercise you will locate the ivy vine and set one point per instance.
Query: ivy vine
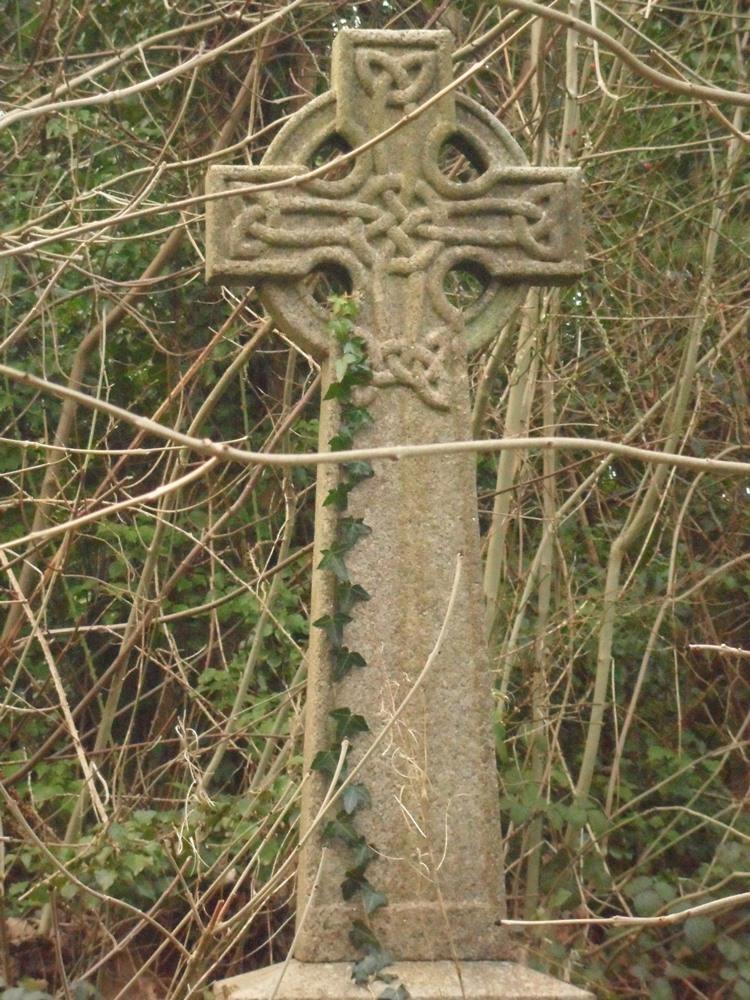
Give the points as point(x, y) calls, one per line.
point(351, 370)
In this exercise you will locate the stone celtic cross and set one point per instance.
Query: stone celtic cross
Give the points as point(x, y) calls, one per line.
point(397, 224)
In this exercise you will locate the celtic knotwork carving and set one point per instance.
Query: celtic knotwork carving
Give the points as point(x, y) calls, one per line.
point(386, 233)
point(529, 222)
point(389, 234)
point(420, 366)
point(406, 79)
point(406, 249)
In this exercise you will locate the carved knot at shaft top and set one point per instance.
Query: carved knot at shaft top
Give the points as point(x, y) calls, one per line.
point(402, 81)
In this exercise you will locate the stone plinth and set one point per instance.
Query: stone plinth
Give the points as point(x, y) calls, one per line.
point(424, 980)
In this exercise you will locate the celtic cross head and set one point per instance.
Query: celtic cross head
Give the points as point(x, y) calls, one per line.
point(398, 223)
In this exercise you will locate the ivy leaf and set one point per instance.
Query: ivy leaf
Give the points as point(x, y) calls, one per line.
point(699, 932)
point(341, 829)
point(357, 373)
point(344, 660)
point(353, 360)
point(351, 530)
point(372, 898)
point(348, 594)
point(341, 441)
point(350, 887)
point(338, 497)
point(341, 326)
point(333, 559)
point(369, 966)
point(105, 878)
point(361, 936)
point(337, 390)
point(333, 626)
point(358, 418)
point(357, 472)
point(326, 761)
point(364, 970)
point(355, 796)
point(342, 366)
point(399, 993)
point(364, 854)
point(348, 724)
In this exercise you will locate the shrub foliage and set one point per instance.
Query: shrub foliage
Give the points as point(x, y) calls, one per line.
point(156, 598)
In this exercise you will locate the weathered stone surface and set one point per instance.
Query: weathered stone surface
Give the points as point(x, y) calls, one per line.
point(426, 981)
point(397, 225)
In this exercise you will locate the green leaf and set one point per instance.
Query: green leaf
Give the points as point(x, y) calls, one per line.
point(81, 990)
point(372, 898)
point(333, 559)
point(351, 886)
point(135, 863)
point(398, 993)
point(361, 936)
point(325, 762)
point(638, 884)
point(360, 469)
point(350, 531)
point(344, 660)
point(371, 964)
point(336, 391)
point(343, 305)
point(333, 626)
point(348, 724)
point(357, 373)
point(731, 950)
point(105, 878)
point(338, 497)
point(341, 327)
point(364, 854)
point(357, 418)
point(577, 817)
point(348, 594)
point(364, 970)
point(355, 796)
point(356, 473)
point(647, 903)
point(341, 829)
point(699, 932)
point(68, 891)
point(661, 989)
point(598, 822)
point(341, 441)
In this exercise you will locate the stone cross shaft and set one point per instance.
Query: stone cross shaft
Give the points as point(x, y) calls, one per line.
point(397, 223)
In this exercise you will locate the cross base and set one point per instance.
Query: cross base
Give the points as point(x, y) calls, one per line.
point(424, 981)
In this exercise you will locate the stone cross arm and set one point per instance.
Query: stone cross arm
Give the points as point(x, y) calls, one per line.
point(516, 222)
